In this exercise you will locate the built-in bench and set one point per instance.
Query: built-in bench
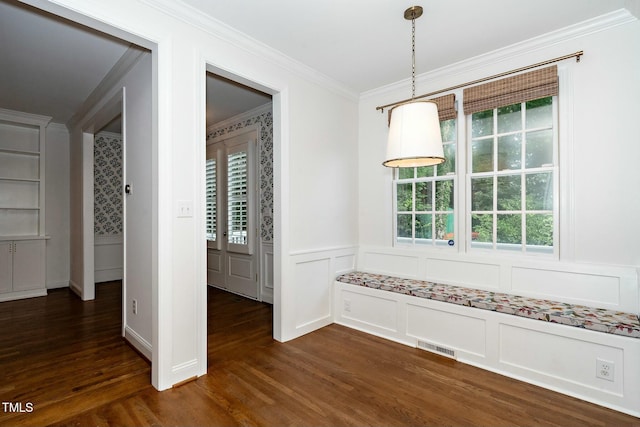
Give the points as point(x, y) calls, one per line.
point(596, 319)
point(562, 346)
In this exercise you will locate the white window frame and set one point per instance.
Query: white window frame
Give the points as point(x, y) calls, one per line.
point(504, 248)
point(462, 186)
point(433, 242)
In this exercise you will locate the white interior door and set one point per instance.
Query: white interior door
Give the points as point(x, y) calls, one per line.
point(232, 262)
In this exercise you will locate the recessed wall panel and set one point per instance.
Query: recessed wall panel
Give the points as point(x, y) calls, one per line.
point(572, 286)
point(468, 274)
point(214, 261)
point(312, 291)
point(240, 266)
point(345, 263)
point(560, 358)
point(450, 330)
point(400, 265)
point(370, 310)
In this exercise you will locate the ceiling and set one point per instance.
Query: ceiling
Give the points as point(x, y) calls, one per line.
point(50, 66)
point(366, 44)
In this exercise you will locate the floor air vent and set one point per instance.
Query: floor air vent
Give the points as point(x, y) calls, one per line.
point(437, 349)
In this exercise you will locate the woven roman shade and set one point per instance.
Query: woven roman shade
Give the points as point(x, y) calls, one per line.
point(512, 90)
point(446, 107)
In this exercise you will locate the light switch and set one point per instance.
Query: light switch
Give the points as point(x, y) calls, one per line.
point(184, 209)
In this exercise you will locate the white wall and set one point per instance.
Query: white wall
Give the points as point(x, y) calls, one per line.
point(315, 129)
point(57, 205)
point(599, 176)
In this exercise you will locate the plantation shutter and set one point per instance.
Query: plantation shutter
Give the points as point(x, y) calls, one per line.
point(512, 90)
point(237, 197)
point(211, 198)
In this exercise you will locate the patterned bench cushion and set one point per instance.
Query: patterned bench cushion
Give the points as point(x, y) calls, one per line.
point(596, 319)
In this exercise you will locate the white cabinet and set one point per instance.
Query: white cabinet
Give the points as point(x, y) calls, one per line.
point(22, 268)
point(22, 205)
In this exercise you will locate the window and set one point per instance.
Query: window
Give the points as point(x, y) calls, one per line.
point(511, 177)
point(230, 194)
point(424, 197)
point(237, 197)
point(505, 197)
point(211, 192)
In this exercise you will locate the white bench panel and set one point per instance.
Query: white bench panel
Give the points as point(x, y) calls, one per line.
point(460, 332)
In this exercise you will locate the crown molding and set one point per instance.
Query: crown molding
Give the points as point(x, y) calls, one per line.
point(57, 126)
point(582, 29)
point(23, 117)
point(109, 134)
point(254, 47)
point(131, 56)
point(633, 6)
point(265, 108)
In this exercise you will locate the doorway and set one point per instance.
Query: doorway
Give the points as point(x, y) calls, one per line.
point(239, 189)
point(108, 210)
point(232, 261)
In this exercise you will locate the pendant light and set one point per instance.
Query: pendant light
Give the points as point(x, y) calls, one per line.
point(414, 128)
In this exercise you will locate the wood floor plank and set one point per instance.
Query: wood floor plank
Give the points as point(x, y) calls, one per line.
point(67, 358)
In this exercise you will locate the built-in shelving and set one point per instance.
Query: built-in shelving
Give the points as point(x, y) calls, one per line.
point(22, 204)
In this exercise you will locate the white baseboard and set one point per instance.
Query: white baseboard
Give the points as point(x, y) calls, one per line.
point(139, 343)
point(58, 285)
point(108, 274)
point(75, 288)
point(23, 295)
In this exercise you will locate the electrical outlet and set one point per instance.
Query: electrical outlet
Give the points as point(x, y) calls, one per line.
point(347, 306)
point(134, 306)
point(605, 369)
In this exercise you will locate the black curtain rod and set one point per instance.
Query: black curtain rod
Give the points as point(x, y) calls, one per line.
point(577, 55)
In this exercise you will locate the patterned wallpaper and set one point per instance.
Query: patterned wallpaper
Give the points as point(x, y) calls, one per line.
point(265, 148)
point(107, 189)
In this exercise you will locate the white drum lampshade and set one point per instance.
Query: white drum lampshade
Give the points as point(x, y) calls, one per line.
point(414, 136)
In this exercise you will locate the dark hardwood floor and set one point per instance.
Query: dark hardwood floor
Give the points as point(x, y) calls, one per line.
point(66, 358)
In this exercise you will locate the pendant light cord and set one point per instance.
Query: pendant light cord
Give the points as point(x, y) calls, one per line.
point(413, 57)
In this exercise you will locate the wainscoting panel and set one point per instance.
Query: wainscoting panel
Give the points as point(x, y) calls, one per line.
point(266, 273)
point(392, 264)
point(370, 310)
point(215, 268)
point(345, 263)
point(447, 329)
point(313, 293)
point(240, 266)
point(602, 289)
point(468, 274)
point(313, 274)
point(601, 286)
point(560, 358)
point(108, 258)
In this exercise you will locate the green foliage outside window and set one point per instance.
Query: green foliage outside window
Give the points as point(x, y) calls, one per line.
point(425, 195)
point(512, 177)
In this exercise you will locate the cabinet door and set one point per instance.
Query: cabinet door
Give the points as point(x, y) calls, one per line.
point(5, 267)
point(28, 265)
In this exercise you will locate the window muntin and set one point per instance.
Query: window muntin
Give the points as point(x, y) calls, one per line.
point(424, 199)
point(511, 177)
